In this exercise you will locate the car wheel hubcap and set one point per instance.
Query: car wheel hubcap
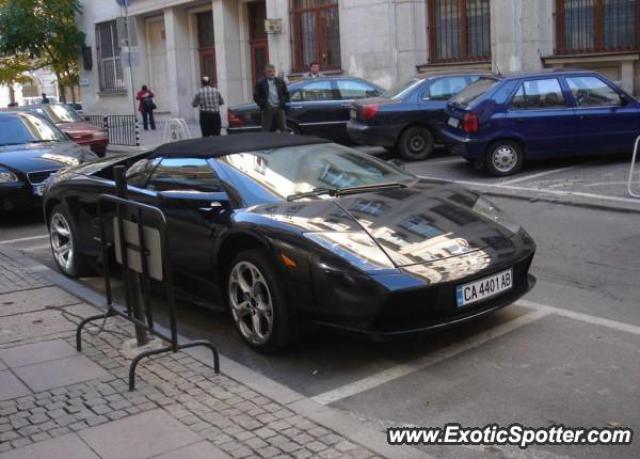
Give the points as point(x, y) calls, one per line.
point(251, 302)
point(417, 144)
point(504, 158)
point(61, 241)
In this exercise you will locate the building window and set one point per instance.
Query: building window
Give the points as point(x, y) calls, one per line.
point(207, 46)
point(459, 30)
point(316, 33)
point(592, 26)
point(109, 60)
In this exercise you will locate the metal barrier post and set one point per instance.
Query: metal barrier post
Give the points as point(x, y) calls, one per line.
point(149, 250)
point(632, 170)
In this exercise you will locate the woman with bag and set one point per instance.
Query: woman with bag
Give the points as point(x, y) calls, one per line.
point(146, 107)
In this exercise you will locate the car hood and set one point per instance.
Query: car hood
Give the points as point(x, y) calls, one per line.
point(425, 223)
point(43, 156)
point(240, 108)
point(81, 127)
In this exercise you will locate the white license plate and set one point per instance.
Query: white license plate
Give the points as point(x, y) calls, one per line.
point(38, 189)
point(354, 114)
point(484, 288)
point(453, 122)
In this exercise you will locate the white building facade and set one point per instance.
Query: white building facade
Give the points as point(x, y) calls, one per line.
point(175, 42)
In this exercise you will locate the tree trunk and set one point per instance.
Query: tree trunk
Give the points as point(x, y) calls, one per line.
point(61, 88)
point(12, 94)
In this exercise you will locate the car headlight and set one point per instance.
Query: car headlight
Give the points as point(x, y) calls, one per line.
point(356, 248)
point(8, 176)
point(489, 210)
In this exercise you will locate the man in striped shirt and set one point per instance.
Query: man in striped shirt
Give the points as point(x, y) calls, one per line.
point(209, 100)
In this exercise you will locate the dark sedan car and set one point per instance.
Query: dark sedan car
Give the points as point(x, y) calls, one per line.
point(409, 117)
point(293, 228)
point(31, 149)
point(317, 107)
point(72, 124)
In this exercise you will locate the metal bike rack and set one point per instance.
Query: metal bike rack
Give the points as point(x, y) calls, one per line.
point(632, 171)
point(140, 243)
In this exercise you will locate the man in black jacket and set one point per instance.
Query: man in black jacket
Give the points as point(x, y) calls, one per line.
point(271, 95)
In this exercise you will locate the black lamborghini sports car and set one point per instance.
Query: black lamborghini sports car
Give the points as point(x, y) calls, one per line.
point(291, 229)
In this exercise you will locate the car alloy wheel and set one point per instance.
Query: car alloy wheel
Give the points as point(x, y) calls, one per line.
point(416, 143)
point(504, 158)
point(251, 302)
point(61, 238)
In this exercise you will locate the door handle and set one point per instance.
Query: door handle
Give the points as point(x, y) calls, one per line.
point(519, 120)
point(295, 107)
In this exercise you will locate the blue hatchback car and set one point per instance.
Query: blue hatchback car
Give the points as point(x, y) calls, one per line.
point(499, 124)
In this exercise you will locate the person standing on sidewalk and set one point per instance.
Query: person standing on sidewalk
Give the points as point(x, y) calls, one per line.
point(209, 100)
point(146, 107)
point(314, 72)
point(271, 95)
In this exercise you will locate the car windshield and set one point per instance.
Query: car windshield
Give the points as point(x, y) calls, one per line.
point(62, 114)
point(403, 88)
point(27, 128)
point(473, 91)
point(291, 171)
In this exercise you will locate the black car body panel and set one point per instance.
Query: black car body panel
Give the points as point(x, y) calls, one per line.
point(317, 107)
point(413, 105)
point(383, 262)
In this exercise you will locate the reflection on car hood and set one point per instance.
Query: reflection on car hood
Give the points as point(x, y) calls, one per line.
point(42, 156)
point(422, 224)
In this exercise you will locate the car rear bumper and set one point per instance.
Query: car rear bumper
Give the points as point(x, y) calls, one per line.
point(378, 136)
point(462, 145)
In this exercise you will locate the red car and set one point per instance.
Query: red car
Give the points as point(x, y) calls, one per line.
point(72, 124)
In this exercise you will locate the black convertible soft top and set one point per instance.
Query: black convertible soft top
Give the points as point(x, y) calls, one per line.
point(212, 147)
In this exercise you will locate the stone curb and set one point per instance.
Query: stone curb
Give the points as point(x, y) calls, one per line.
point(326, 416)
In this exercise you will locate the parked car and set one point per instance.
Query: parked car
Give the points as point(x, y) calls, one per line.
point(31, 149)
point(501, 124)
point(409, 117)
point(71, 123)
point(318, 107)
point(293, 228)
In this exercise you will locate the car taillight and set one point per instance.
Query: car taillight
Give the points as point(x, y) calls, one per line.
point(470, 123)
point(234, 120)
point(369, 112)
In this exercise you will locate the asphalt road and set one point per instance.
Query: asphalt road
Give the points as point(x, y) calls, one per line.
point(568, 354)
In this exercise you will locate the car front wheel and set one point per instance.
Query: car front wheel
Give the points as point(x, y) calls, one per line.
point(258, 302)
point(64, 243)
point(505, 157)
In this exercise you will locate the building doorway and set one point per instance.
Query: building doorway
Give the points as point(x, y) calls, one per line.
point(206, 46)
point(258, 42)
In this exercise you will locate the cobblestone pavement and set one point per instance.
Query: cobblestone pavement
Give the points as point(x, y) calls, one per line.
point(235, 419)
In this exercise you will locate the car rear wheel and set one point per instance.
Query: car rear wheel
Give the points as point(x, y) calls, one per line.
point(258, 302)
point(416, 143)
point(505, 157)
point(64, 243)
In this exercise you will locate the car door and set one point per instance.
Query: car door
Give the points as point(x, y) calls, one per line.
point(314, 108)
point(608, 121)
point(192, 224)
point(540, 115)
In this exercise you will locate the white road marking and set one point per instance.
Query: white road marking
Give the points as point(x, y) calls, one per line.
point(24, 239)
point(538, 175)
point(405, 369)
point(608, 323)
point(36, 248)
point(537, 190)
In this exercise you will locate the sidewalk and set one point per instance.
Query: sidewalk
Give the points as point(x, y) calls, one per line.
point(58, 403)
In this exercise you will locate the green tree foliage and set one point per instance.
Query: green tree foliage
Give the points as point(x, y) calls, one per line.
point(46, 31)
point(13, 70)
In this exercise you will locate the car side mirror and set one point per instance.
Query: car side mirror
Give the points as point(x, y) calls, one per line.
point(397, 163)
point(624, 100)
point(203, 200)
